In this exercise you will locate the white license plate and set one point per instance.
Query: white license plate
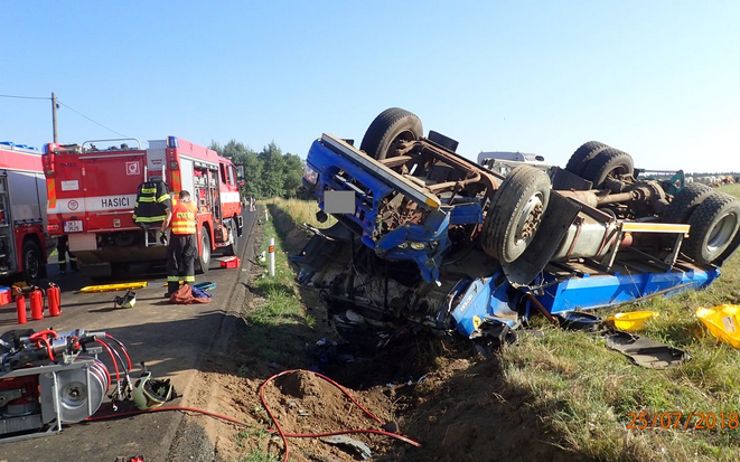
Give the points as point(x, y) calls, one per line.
point(73, 226)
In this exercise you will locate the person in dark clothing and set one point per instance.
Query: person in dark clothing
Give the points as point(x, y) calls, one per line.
point(182, 248)
point(63, 252)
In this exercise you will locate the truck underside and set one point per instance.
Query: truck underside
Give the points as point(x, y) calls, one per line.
point(435, 240)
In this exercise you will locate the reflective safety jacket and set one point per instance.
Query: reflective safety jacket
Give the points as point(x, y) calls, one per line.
point(152, 202)
point(183, 218)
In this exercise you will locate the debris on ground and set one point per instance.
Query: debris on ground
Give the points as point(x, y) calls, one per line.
point(631, 321)
point(723, 322)
point(644, 351)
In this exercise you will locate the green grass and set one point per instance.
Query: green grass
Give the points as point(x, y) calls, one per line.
point(258, 456)
point(279, 319)
point(733, 189)
point(300, 211)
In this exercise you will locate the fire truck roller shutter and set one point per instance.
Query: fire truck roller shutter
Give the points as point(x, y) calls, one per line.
point(186, 177)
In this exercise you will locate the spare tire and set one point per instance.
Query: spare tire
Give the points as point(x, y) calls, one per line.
point(582, 155)
point(515, 213)
point(714, 225)
point(607, 163)
point(685, 201)
point(388, 128)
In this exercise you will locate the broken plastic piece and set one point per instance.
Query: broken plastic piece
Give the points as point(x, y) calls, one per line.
point(644, 351)
point(631, 321)
point(723, 322)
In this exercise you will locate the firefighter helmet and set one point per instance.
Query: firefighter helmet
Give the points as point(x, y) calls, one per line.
point(149, 393)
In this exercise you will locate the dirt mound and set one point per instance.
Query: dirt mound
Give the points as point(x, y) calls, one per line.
point(305, 403)
point(302, 402)
point(462, 412)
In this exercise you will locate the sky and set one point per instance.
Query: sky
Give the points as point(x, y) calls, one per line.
point(658, 79)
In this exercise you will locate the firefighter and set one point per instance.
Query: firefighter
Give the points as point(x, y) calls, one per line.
point(182, 247)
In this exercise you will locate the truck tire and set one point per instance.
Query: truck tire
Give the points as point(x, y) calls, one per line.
point(388, 128)
point(232, 248)
point(32, 260)
point(203, 261)
point(577, 162)
point(607, 163)
point(515, 213)
point(683, 203)
point(714, 224)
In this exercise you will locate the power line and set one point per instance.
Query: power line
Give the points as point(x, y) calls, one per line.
point(25, 97)
point(90, 119)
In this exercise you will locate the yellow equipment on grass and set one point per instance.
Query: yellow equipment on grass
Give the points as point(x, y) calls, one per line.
point(631, 321)
point(723, 322)
point(114, 287)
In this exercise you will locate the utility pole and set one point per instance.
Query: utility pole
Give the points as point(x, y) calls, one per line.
point(54, 116)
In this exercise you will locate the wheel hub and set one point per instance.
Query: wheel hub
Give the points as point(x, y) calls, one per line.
point(530, 219)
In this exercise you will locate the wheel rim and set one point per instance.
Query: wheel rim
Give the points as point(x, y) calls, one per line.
point(529, 220)
point(407, 135)
point(722, 233)
point(31, 264)
point(232, 234)
point(206, 252)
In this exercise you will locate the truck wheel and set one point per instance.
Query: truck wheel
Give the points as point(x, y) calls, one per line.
point(582, 155)
point(233, 246)
point(32, 261)
point(608, 163)
point(683, 203)
point(203, 261)
point(390, 127)
point(714, 224)
point(515, 213)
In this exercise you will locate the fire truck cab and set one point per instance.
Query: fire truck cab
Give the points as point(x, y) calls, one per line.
point(22, 211)
point(92, 194)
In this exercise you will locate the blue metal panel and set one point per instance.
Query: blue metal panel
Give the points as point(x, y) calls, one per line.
point(484, 300)
point(464, 214)
point(423, 243)
point(598, 291)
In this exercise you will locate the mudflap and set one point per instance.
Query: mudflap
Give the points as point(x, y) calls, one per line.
point(560, 214)
point(320, 250)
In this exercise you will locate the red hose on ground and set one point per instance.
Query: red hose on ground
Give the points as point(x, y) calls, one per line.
point(284, 436)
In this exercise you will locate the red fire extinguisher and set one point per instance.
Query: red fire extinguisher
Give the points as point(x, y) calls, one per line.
point(54, 299)
point(37, 304)
point(20, 306)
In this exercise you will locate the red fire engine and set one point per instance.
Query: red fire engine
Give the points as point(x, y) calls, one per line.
point(92, 193)
point(22, 211)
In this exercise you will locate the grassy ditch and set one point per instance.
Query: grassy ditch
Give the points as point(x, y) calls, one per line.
point(279, 323)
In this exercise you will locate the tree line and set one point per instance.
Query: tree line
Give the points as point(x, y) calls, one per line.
point(267, 173)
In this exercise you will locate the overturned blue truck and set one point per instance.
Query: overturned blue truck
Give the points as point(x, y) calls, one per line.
point(426, 237)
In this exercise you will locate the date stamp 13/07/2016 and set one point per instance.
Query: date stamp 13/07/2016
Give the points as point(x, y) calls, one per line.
point(695, 420)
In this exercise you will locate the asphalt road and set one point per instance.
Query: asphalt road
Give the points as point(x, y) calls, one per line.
point(173, 341)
